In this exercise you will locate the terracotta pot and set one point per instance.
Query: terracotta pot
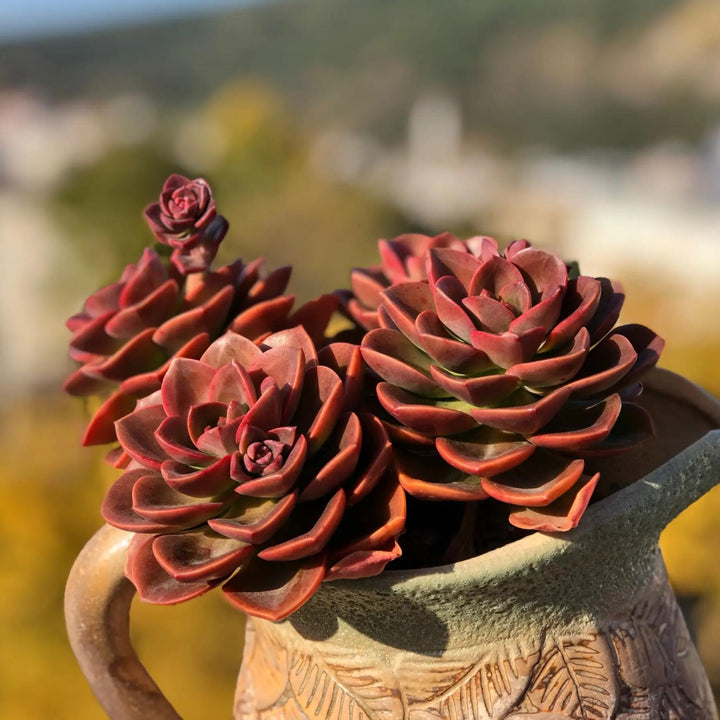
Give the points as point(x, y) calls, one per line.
point(581, 625)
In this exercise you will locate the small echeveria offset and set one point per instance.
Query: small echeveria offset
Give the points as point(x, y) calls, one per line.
point(128, 331)
point(251, 468)
point(504, 378)
point(186, 219)
point(402, 259)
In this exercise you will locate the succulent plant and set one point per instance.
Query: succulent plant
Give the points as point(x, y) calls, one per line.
point(251, 468)
point(263, 457)
point(129, 331)
point(402, 258)
point(504, 377)
point(185, 218)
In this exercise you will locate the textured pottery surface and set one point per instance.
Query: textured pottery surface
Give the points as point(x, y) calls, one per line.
point(578, 626)
point(641, 664)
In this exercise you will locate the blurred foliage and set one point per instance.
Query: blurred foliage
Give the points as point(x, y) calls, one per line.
point(244, 141)
point(101, 206)
point(694, 354)
point(552, 72)
point(278, 208)
point(49, 509)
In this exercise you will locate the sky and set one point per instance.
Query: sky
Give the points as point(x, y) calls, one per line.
point(21, 19)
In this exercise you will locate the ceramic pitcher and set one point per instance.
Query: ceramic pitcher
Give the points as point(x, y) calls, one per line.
point(575, 626)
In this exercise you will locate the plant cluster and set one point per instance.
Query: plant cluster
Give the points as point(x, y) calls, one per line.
point(265, 452)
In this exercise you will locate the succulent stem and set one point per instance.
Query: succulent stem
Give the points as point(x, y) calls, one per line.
point(194, 281)
point(462, 545)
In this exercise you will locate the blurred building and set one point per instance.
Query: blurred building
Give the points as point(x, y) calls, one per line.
point(652, 215)
point(40, 143)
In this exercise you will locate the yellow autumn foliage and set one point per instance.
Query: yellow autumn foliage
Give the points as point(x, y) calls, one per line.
point(51, 490)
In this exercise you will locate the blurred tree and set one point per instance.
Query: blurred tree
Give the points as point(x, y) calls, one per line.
point(245, 143)
point(49, 509)
point(100, 206)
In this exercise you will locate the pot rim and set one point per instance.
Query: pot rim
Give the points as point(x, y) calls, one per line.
point(533, 548)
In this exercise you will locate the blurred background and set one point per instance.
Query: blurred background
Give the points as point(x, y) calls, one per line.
point(589, 127)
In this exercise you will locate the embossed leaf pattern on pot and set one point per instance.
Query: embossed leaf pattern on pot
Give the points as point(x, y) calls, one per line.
point(641, 665)
point(251, 468)
point(509, 365)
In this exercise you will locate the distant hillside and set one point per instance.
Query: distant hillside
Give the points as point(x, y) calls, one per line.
point(524, 71)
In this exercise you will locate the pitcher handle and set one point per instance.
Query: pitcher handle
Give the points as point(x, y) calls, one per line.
point(97, 613)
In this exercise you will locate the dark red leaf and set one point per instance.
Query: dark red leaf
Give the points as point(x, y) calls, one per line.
point(153, 584)
point(255, 520)
point(484, 451)
point(200, 555)
point(562, 515)
point(536, 482)
point(273, 591)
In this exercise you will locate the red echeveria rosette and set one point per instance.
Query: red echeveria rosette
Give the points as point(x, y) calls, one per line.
point(250, 468)
point(402, 258)
point(512, 370)
point(186, 219)
point(129, 331)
